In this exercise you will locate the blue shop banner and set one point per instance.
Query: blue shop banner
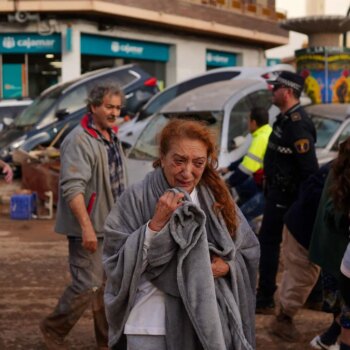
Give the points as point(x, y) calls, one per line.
point(221, 59)
point(30, 43)
point(115, 47)
point(12, 84)
point(272, 61)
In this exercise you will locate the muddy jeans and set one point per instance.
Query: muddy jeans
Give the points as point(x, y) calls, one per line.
point(86, 288)
point(299, 275)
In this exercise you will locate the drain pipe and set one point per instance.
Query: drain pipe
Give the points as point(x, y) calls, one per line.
point(345, 33)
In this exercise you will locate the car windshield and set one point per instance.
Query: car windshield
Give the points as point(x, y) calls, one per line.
point(44, 102)
point(146, 147)
point(325, 129)
point(165, 96)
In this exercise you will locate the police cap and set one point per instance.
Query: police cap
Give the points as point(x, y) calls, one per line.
point(289, 79)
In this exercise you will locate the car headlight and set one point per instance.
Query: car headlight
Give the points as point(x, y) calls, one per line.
point(17, 143)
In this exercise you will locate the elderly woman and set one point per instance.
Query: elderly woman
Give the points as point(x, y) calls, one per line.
point(181, 260)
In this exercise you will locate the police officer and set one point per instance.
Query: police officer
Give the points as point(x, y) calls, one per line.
point(289, 160)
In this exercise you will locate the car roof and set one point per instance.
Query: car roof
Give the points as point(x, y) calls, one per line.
point(338, 111)
point(243, 72)
point(212, 96)
point(88, 76)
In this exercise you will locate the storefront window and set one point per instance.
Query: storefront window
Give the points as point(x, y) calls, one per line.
point(44, 70)
point(29, 74)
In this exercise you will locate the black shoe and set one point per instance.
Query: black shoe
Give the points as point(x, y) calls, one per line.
point(314, 302)
point(283, 327)
point(265, 306)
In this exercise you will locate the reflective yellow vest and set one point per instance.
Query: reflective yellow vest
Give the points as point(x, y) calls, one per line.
point(254, 159)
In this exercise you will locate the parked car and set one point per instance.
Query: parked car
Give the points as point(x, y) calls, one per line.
point(51, 135)
point(60, 101)
point(43, 137)
point(10, 109)
point(332, 123)
point(224, 105)
point(130, 131)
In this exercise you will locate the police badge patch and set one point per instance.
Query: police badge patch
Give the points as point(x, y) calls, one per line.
point(295, 116)
point(302, 145)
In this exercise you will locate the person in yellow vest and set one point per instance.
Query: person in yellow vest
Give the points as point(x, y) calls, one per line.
point(247, 173)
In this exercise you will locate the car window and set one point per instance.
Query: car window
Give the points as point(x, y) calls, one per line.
point(10, 111)
point(40, 105)
point(325, 129)
point(164, 97)
point(343, 136)
point(238, 125)
point(74, 100)
point(136, 99)
point(261, 98)
point(146, 147)
point(122, 77)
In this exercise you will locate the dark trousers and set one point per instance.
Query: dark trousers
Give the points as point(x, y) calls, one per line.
point(270, 237)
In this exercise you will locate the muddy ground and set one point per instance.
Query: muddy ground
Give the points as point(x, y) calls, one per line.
point(33, 273)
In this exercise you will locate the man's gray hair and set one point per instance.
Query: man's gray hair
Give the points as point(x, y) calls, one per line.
point(99, 91)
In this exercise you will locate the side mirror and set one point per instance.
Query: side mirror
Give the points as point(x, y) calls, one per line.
point(61, 114)
point(238, 141)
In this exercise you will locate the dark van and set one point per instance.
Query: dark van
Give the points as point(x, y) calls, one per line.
point(60, 101)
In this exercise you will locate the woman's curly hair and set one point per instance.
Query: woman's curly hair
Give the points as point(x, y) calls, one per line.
point(178, 129)
point(340, 188)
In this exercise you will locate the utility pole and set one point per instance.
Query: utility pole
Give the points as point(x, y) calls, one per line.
point(345, 33)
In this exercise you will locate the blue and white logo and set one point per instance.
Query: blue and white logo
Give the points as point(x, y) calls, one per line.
point(217, 59)
point(115, 47)
point(8, 42)
point(23, 43)
point(126, 48)
point(220, 59)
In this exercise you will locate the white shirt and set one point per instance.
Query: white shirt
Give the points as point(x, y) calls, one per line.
point(147, 315)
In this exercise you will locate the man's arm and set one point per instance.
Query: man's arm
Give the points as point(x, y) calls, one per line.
point(77, 205)
point(237, 178)
point(77, 160)
point(6, 169)
point(304, 151)
point(233, 166)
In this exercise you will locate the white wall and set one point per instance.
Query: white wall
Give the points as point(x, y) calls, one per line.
point(189, 60)
point(187, 53)
point(301, 8)
point(71, 61)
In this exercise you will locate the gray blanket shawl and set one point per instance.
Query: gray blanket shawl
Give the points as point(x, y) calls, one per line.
point(201, 312)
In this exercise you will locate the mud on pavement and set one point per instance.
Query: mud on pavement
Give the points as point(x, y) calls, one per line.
point(34, 271)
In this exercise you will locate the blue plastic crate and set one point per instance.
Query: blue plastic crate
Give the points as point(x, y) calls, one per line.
point(22, 206)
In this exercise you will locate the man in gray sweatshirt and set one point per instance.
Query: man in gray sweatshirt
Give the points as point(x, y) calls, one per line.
point(91, 179)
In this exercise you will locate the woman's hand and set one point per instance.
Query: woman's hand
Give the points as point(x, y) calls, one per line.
point(219, 267)
point(166, 205)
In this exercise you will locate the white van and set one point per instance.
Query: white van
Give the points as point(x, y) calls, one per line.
point(224, 105)
point(129, 132)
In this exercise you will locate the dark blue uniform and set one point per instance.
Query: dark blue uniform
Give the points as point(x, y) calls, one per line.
point(289, 160)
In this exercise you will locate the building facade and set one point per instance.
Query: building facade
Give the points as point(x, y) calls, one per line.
point(45, 42)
